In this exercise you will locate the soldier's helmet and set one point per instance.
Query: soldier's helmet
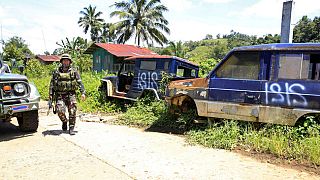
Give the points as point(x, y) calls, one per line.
point(65, 56)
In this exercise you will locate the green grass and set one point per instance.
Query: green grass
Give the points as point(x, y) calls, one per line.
point(282, 141)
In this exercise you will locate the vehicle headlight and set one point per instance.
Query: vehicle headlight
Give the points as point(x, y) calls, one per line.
point(19, 88)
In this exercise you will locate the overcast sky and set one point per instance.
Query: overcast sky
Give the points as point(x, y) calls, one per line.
point(41, 23)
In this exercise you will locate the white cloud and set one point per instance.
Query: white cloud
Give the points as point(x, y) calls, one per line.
point(305, 7)
point(218, 1)
point(273, 8)
point(178, 5)
point(195, 30)
point(263, 8)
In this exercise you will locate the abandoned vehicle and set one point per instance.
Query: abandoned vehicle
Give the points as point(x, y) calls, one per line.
point(271, 83)
point(146, 76)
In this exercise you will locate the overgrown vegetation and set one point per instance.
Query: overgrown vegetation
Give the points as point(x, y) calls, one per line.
point(300, 143)
point(154, 115)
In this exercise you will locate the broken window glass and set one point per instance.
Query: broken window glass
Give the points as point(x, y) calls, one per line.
point(241, 66)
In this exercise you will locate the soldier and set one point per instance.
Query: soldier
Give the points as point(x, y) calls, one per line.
point(63, 85)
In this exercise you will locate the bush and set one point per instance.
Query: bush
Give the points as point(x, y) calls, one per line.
point(35, 69)
point(143, 115)
point(221, 135)
point(42, 85)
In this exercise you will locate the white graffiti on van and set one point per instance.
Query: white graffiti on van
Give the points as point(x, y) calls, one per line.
point(289, 97)
point(147, 80)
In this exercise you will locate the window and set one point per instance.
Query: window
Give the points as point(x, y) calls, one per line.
point(240, 66)
point(148, 65)
point(293, 66)
point(314, 68)
point(166, 65)
point(98, 60)
point(185, 72)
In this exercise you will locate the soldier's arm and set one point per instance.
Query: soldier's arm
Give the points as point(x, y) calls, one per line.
point(80, 84)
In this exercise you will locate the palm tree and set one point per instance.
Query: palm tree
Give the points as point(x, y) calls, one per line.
point(75, 47)
point(142, 19)
point(91, 20)
point(107, 33)
point(177, 49)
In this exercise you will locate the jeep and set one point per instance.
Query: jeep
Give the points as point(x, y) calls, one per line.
point(146, 76)
point(271, 83)
point(18, 98)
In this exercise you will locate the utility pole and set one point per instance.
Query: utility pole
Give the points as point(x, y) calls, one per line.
point(44, 40)
point(286, 30)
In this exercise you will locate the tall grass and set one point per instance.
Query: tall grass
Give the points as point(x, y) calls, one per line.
point(283, 141)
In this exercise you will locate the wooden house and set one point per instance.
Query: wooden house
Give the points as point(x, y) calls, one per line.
point(108, 57)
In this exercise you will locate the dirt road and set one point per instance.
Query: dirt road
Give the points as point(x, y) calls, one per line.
point(103, 151)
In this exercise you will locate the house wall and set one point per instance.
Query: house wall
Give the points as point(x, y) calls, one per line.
point(103, 60)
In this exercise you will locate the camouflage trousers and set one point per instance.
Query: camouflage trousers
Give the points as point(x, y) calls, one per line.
point(67, 101)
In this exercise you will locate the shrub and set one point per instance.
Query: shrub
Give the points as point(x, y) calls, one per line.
point(221, 135)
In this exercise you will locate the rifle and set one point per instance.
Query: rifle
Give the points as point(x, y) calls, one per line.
point(52, 106)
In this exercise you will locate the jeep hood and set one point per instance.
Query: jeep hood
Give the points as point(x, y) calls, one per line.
point(12, 77)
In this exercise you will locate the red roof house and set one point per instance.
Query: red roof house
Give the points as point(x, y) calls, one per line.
point(48, 59)
point(109, 56)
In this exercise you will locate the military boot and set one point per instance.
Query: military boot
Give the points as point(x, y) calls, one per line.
point(71, 130)
point(64, 126)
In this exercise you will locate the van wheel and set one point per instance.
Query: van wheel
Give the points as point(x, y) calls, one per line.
point(103, 91)
point(188, 114)
point(308, 124)
point(29, 121)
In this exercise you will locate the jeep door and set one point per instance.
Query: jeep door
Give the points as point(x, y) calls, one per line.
point(235, 86)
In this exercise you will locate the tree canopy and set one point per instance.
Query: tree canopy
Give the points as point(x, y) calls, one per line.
point(142, 19)
point(16, 48)
point(307, 30)
point(91, 20)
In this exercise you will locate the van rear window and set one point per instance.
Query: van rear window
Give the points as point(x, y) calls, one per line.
point(299, 66)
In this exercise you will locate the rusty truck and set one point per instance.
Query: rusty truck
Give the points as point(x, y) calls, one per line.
point(271, 83)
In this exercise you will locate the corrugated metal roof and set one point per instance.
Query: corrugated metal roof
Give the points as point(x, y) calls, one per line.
point(48, 58)
point(120, 50)
point(160, 57)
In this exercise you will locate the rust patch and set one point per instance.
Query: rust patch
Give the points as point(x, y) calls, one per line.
point(189, 83)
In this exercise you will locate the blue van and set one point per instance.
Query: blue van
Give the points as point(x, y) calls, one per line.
point(145, 78)
point(271, 83)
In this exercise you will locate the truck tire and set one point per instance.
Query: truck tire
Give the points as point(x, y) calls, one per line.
point(29, 121)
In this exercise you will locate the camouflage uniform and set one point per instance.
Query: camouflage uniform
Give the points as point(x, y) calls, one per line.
point(63, 86)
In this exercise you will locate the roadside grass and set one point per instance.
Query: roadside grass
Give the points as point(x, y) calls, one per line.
point(282, 141)
point(94, 100)
point(299, 143)
point(153, 116)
